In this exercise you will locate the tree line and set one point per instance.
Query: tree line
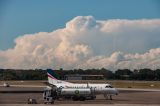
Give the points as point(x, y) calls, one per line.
point(120, 74)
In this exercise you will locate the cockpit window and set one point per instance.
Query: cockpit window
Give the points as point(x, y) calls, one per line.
point(108, 86)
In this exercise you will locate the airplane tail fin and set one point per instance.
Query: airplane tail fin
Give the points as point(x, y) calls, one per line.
point(53, 78)
point(52, 74)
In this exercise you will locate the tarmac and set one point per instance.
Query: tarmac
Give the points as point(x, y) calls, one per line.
point(77, 105)
point(17, 96)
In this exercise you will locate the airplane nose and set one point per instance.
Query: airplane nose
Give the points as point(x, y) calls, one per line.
point(117, 92)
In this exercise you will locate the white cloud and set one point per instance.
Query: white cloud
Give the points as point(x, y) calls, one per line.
point(119, 60)
point(89, 43)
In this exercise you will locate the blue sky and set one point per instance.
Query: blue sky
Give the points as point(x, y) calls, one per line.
point(114, 34)
point(19, 17)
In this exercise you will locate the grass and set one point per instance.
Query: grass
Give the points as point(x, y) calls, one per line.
point(115, 83)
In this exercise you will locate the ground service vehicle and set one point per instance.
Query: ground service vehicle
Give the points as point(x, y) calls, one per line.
point(77, 93)
point(51, 94)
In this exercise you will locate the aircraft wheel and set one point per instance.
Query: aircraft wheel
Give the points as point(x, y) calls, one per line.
point(52, 102)
point(106, 96)
point(82, 98)
point(74, 98)
point(110, 97)
point(93, 97)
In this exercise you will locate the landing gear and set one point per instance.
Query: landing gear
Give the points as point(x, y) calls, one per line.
point(82, 98)
point(93, 97)
point(110, 96)
point(76, 98)
point(107, 97)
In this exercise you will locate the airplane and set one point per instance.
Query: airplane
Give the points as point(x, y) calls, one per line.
point(106, 89)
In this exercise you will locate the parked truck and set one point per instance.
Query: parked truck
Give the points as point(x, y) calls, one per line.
point(77, 93)
point(51, 94)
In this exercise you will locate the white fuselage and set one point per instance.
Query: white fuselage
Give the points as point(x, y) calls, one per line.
point(99, 88)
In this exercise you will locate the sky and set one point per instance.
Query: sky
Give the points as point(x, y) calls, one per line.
point(93, 33)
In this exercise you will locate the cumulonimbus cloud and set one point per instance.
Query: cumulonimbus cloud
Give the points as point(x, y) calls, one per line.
point(89, 43)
